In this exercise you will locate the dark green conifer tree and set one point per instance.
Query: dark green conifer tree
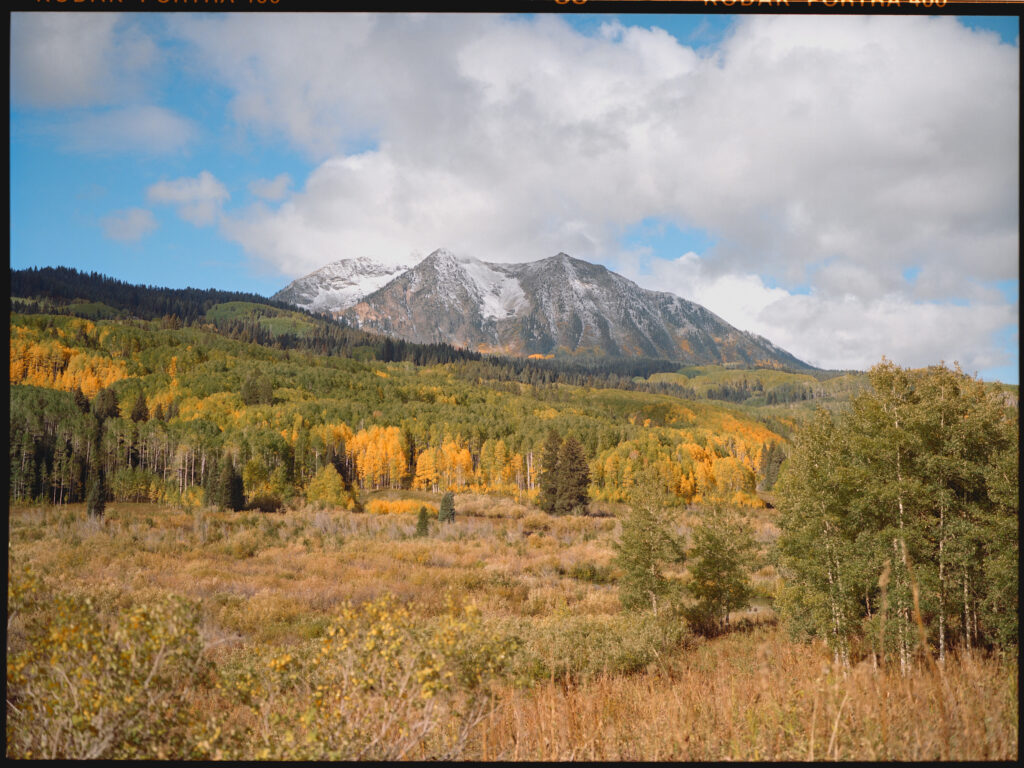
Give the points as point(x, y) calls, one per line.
point(81, 401)
point(95, 482)
point(229, 491)
point(422, 523)
point(572, 479)
point(447, 512)
point(548, 480)
point(104, 405)
point(140, 412)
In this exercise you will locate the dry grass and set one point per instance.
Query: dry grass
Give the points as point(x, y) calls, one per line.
point(588, 682)
point(761, 697)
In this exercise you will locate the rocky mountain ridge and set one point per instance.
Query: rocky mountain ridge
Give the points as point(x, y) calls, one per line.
point(555, 306)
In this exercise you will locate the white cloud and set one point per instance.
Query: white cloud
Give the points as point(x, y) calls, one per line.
point(129, 225)
point(271, 189)
point(836, 152)
point(142, 129)
point(77, 59)
point(199, 200)
point(851, 331)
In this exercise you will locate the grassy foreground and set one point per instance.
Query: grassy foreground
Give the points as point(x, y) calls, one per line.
point(157, 632)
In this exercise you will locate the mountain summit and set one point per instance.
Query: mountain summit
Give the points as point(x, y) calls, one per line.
point(558, 305)
point(338, 285)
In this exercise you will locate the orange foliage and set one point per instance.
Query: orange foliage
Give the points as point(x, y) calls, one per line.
point(51, 364)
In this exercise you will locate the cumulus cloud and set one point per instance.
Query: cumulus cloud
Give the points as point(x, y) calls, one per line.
point(830, 152)
point(129, 225)
point(77, 59)
point(271, 189)
point(851, 331)
point(199, 200)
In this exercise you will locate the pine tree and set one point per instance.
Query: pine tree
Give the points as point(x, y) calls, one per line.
point(81, 401)
point(572, 478)
point(104, 405)
point(229, 492)
point(422, 523)
point(140, 412)
point(548, 480)
point(447, 512)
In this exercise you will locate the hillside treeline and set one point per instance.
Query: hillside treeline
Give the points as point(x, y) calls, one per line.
point(188, 400)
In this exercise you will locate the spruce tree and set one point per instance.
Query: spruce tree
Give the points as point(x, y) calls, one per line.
point(447, 512)
point(95, 491)
point(422, 523)
point(81, 401)
point(572, 479)
point(229, 492)
point(95, 482)
point(140, 412)
point(548, 480)
point(104, 405)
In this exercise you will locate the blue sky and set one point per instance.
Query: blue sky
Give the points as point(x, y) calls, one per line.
point(768, 168)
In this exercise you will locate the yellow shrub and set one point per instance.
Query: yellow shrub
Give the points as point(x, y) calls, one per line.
point(398, 507)
point(80, 686)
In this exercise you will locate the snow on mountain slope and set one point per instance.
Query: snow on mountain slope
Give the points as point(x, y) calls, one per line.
point(557, 305)
point(338, 285)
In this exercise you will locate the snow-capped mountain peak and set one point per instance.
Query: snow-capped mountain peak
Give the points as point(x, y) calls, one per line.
point(557, 305)
point(339, 285)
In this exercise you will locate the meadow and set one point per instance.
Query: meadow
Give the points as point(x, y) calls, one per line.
point(325, 633)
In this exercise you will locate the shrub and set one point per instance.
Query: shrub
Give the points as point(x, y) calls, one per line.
point(382, 685)
point(592, 573)
point(265, 502)
point(84, 686)
point(395, 506)
point(577, 648)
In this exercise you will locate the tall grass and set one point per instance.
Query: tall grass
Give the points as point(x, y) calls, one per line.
point(577, 678)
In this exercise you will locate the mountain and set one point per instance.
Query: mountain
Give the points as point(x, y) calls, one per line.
point(338, 285)
point(558, 305)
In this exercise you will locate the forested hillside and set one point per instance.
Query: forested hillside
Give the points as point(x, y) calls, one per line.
point(189, 399)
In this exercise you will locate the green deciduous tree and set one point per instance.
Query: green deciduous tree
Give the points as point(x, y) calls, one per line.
point(327, 487)
point(647, 548)
point(916, 481)
point(720, 561)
